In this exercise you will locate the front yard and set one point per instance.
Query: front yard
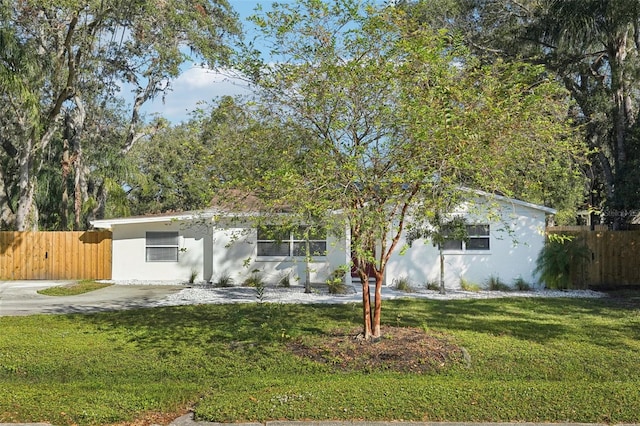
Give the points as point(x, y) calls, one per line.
point(539, 360)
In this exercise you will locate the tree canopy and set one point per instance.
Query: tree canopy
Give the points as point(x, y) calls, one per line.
point(65, 66)
point(592, 47)
point(388, 118)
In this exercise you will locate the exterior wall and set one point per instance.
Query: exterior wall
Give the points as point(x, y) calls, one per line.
point(235, 254)
point(516, 238)
point(211, 252)
point(129, 263)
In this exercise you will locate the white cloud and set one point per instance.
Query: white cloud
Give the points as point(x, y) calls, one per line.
point(193, 87)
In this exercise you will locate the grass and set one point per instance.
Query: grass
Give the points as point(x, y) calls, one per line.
point(73, 289)
point(532, 360)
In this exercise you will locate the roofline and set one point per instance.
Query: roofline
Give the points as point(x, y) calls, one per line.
point(168, 217)
point(211, 214)
point(547, 210)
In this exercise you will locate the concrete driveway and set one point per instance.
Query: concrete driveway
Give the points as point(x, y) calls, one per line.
point(21, 298)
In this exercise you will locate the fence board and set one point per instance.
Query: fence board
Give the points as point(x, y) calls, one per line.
point(615, 257)
point(55, 255)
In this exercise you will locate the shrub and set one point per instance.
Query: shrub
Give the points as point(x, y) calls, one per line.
point(254, 280)
point(402, 284)
point(521, 285)
point(224, 280)
point(495, 284)
point(467, 285)
point(336, 280)
point(560, 260)
point(433, 285)
point(284, 281)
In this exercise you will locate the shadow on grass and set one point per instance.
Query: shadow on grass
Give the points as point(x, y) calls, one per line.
point(600, 321)
point(254, 326)
point(249, 326)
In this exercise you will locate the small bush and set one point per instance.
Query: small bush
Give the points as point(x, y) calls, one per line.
point(495, 284)
point(402, 284)
point(433, 285)
point(224, 280)
point(467, 285)
point(520, 284)
point(560, 260)
point(284, 281)
point(336, 280)
point(254, 280)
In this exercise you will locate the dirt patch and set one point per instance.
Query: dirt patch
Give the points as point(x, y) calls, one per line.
point(402, 349)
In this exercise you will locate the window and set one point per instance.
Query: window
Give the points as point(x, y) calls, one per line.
point(281, 242)
point(477, 240)
point(162, 247)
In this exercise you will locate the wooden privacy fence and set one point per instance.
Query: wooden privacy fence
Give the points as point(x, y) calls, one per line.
point(614, 257)
point(55, 255)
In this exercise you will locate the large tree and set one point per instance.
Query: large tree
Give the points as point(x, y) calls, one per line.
point(173, 170)
point(68, 58)
point(396, 118)
point(592, 47)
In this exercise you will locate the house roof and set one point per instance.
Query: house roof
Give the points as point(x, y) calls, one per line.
point(513, 201)
point(156, 218)
point(231, 203)
point(250, 205)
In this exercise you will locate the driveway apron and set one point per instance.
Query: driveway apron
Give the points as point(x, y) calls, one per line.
point(22, 298)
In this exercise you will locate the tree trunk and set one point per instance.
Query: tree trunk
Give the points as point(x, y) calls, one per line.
point(377, 307)
point(27, 212)
point(366, 303)
point(442, 290)
point(6, 214)
point(617, 51)
point(307, 266)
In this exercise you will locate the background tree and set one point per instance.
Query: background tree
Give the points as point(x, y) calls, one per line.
point(74, 56)
point(592, 47)
point(174, 171)
point(395, 116)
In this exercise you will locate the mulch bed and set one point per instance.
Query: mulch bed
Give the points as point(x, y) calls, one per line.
point(402, 349)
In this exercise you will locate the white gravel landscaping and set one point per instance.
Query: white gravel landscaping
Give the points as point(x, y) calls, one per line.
point(198, 294)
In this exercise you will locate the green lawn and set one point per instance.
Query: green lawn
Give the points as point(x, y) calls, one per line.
point(542, 360)
point(73, 289)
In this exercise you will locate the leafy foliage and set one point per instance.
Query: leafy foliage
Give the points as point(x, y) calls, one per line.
point(335, 282)
point(174, 170)
point(62, 68)
point(559, 260)
point(589, 45)
point(391, 118)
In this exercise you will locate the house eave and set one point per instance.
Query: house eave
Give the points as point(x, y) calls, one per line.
point(514, 201)
point(161, 218)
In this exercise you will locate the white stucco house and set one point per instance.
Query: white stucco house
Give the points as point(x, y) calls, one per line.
point(505, 237)
point(504, 242)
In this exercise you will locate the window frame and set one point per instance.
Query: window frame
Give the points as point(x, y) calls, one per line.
point(149, 245)
point(291, 238)
point(475, 232)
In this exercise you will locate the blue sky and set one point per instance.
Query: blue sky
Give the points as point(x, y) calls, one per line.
point(197, 84)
